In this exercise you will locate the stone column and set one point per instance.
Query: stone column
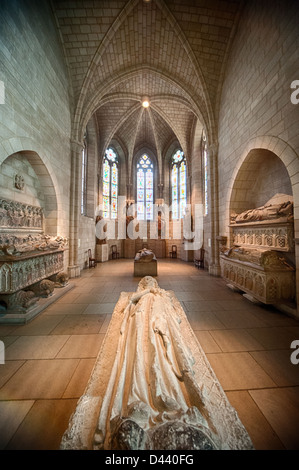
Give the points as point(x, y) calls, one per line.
point(129, 191)
point(75, 198)
point(214, 268)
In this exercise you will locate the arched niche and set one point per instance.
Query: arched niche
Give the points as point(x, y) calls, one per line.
point(261, 176)
point(37, 188)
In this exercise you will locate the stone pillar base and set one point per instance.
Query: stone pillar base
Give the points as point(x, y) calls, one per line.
point(73, 271)
point(215, 270)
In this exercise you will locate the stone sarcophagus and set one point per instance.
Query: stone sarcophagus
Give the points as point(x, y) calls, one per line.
point(31, 263)
point(266, 275)
point(145, 263)
point(260, 263)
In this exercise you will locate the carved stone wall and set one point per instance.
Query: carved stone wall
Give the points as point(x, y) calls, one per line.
point(277, 237)
point(268, 286)
point(18, 274)
point(28, 258)
point(16, 215)
point(257, 265)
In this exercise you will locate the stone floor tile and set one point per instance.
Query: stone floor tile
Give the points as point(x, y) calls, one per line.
point(35, 347)
point(238, 319)
point(207, 341)
point(112, 298)
point(7, 340)
point(8, 369)
point(261, 433)
point(280, 406)
point(272, 317)
point(69, 297)
point(70, 309)
point(79, 325)
point(278, 365)
point(12, 414)
point(91, 298)
point(222, 294)
point(204, 321)
point(99, 309)
point(239, 371)
point(189, 296)
point(81, 346)
point(42, 325)
point(202, 305)
point(39, 379)
point(78, 383)
point(235, 340)
point(43, 426)
point(273, 337)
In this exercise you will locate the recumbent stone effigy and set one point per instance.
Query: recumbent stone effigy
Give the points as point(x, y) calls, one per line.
point(152, 386)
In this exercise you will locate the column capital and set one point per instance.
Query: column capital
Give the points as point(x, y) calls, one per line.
point(76, 145)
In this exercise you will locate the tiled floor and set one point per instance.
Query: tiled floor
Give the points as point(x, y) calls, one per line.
point(48, 361)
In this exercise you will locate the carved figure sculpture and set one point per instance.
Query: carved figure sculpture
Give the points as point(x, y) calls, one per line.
point(11, 245)
point(43, 288)
point(62, 279)
point(152, 400)
point(23, 299)
point(19, 182)
point(144, 256)
point(280, 206)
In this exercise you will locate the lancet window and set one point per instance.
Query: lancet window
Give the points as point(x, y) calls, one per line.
point(205, 173)
point(110, 184)
point(178, 184)
point(145, 188)
point(84, 179)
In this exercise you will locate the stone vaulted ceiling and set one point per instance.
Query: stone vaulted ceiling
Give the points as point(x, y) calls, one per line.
point(173, 51)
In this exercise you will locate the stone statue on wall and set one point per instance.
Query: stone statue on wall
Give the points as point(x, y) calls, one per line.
point(152, 399)
point(278, 207)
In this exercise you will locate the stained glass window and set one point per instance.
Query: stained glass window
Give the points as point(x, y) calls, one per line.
point(84, 180)
point(205, 172)
point(145, 188)
point(110, 184)
point(178, 184)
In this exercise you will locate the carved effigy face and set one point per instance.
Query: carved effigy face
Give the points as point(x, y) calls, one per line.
point(147, 282)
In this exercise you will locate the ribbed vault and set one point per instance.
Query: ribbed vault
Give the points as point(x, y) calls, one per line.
point(174, 52)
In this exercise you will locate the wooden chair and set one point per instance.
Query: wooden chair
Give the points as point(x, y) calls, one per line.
point(199, 262)
point(114, 252)
point(173, 252)
point(92, 262)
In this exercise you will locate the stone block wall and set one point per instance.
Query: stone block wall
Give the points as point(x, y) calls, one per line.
point(32, 192)
point(256, 93)
point(256, 111)
point(35, 116)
